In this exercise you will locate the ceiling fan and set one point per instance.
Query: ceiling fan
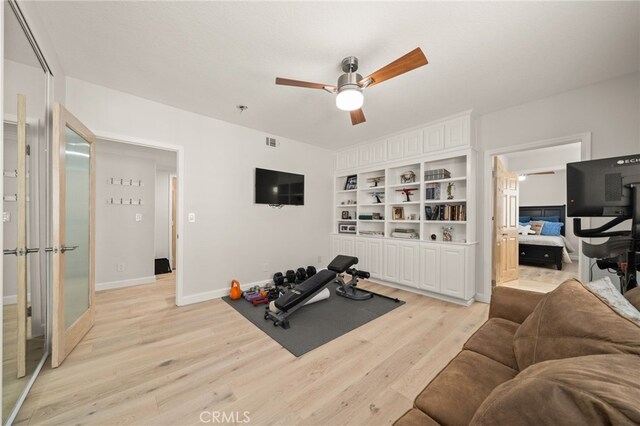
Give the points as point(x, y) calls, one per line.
point(350, 85)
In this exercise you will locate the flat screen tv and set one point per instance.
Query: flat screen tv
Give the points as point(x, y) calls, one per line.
point(274, 187)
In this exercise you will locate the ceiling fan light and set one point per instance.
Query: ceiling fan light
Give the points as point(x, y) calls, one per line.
point(349, 99)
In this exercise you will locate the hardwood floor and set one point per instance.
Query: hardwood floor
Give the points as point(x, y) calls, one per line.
point(543, 278)
point(147, 361)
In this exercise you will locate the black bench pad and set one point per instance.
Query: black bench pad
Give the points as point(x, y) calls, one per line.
point(302, 291)
point(341, 263)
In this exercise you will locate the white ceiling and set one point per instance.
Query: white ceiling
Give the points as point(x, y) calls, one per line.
point(207, 57)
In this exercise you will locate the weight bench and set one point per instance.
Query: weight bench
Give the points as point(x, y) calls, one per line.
point(280, 309)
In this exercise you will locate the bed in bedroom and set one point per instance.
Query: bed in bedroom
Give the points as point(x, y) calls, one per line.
point(545, 249)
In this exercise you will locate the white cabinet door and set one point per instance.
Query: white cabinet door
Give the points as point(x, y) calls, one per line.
point(395, 148)
point(452, 270)
point(430, 267)
point(412, 143)
point(341, 161)
point(456, 132)
point(364, 155)
point(361, 254)
point(352, 158)
point(336, 246)
point(434, 138)
point(348, 246)
point(378, 152)
point(391, 261)
point(375, 258)
point(409, 270)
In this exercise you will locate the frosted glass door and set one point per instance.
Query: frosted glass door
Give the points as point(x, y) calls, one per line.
point(76, 226)
point(73, 292)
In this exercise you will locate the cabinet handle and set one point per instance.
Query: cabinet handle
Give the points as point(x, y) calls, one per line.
point(546, 255)
point(522, 253)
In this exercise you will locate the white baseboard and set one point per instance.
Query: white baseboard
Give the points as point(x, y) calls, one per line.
point(442, 297)
point(216, 294)
point(125, 283)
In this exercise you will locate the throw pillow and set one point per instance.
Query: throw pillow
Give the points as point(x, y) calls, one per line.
point(537, 226)
point(524, 219)
point(525, 229)
point(587, 390)
point(572, 321)
point(552, 228)
point(633, 296)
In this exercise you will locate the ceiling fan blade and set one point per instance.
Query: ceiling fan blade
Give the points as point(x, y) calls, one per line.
point(408, 62)
point(542, 173)
point(357, 116)
point(306, 84)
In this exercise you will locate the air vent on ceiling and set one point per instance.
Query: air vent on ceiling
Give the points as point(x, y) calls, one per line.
point(271, 142)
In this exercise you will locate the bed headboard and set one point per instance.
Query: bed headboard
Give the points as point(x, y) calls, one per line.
point(546, 211)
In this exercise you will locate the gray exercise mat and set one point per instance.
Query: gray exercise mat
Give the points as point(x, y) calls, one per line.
point(321, 322)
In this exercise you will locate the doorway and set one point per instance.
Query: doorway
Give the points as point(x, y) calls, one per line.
point(525, 187)
point(150, 210)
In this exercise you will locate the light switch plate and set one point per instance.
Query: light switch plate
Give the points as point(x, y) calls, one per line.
point(192, 217)
point(138, 217)
point(6, 217)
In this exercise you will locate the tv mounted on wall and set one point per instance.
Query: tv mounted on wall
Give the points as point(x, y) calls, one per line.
point(279, 188)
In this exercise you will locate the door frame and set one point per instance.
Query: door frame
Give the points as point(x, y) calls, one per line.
point(179, 150)
point(585, 154)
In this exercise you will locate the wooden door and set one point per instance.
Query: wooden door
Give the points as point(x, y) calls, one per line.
point(73, 232)
point(505, 224)
point(174, 220)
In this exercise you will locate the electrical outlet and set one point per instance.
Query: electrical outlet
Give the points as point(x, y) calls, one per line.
point(6, 216)
point(319, 260)
point(265, 267)
point(192, 217)
point(120, 267)
point(138, 217)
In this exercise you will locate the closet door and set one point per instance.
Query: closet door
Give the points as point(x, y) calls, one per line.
point(73, 292)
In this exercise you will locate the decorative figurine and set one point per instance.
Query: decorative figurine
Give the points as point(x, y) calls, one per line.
point(408, 177)
point(375, 180)
point(408, 192)
point(447, 233)
point(379, 196)
point(450, 187)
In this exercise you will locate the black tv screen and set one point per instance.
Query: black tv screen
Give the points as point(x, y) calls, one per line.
point(602, 187)
point(273, 187)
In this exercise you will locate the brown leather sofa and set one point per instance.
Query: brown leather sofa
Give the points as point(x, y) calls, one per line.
point(562, 358)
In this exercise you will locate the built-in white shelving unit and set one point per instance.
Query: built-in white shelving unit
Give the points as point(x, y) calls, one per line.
point(400, 240)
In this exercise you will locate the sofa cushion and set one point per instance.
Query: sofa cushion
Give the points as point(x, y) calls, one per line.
point(495, 340)
point(593, 390)
point(457, 391)
point(415, 417)
point(571, 321)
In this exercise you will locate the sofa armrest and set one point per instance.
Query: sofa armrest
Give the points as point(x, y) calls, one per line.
point(513, 304)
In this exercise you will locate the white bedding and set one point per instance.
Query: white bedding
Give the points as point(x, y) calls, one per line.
point(549, 240)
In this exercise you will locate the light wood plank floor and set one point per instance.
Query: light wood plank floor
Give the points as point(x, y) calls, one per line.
point(543, 278)
point(147, 361)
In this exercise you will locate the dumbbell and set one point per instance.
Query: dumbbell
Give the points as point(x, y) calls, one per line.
point(311, 271)
point(279, 279)
point(301, 275)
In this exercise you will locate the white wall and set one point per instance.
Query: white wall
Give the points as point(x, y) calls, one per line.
point(610, 110)
point(232, 238)
point(162, 214)
point(120, 240)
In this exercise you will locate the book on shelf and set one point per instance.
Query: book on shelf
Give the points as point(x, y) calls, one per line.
point(449, 212)
point(437, 174)
point(432, 191)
